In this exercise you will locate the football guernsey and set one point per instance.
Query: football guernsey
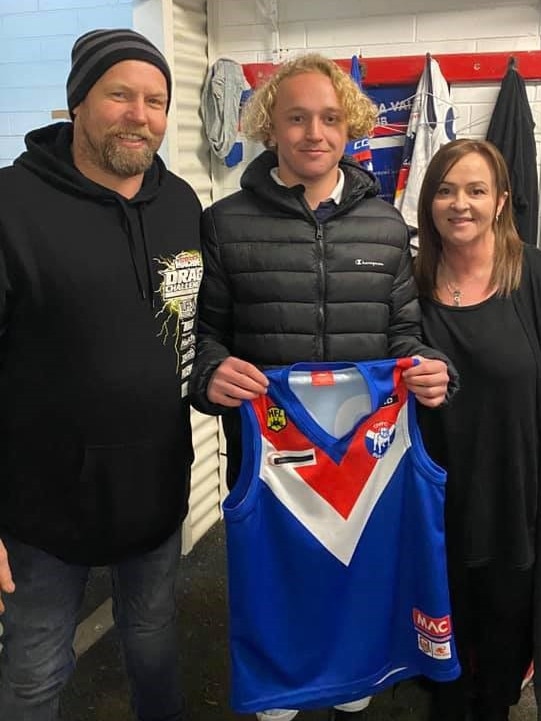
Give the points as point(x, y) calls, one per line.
point(335, 541)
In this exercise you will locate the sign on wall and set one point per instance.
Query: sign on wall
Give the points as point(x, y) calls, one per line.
point(394, 104)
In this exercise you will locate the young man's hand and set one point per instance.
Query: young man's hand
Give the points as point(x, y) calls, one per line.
point(428, 381)
point(6, 581)
point(235, 381)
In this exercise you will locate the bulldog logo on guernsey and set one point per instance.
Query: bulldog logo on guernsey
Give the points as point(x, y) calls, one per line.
point(379, 438)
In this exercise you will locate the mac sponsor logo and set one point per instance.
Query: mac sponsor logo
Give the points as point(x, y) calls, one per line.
point(436, 627)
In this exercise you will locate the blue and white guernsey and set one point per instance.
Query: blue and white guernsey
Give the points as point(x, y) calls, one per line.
point(335, 541)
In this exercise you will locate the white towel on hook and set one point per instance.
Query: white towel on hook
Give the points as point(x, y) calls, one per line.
point(220, 104)
point(431, 125)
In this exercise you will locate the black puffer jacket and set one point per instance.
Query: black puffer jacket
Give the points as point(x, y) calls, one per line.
point(279, 288)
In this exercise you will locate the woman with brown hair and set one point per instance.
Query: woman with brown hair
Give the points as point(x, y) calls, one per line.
point(480, 288)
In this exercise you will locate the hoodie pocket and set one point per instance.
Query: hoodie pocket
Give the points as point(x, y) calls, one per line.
point(132, 493)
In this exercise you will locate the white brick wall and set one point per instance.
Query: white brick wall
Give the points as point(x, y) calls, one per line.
point(36, 38)
point(35, 42)
point(240, 29)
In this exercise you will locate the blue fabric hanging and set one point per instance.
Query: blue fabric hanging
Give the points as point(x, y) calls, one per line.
point(359, 148)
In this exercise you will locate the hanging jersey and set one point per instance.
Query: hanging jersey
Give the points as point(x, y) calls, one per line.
point(335, 541)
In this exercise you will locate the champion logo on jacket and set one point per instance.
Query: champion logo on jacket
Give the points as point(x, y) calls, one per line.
point(373, 263)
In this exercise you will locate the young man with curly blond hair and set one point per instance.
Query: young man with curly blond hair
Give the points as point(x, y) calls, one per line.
point(305, 263)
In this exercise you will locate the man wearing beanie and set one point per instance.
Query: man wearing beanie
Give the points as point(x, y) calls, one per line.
point(99, 274)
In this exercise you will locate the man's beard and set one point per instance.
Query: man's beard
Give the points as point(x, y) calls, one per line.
point(123, 162)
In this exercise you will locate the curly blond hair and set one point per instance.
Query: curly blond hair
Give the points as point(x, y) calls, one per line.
point(359, 111)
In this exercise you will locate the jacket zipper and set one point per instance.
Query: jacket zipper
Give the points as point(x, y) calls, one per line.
point(320, 350)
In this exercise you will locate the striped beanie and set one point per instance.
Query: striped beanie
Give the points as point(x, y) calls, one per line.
point(98, 50)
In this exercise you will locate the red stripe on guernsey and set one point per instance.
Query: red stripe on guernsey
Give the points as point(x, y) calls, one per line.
point(357, 462)
point(402, 364)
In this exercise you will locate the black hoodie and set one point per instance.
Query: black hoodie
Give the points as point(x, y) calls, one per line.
point(97, 304)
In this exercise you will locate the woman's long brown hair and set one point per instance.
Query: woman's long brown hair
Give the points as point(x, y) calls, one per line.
point(507, 268)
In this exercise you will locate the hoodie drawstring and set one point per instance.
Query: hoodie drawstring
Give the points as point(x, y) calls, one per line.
point(148, 262)
point(133, 232)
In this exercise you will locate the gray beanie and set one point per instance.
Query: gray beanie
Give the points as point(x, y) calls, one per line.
point(98, 50)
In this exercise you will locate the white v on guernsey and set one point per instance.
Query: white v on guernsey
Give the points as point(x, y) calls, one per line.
point(335, 541)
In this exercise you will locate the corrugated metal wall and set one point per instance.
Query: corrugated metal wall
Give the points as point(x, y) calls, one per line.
point(188, 146)
point(191, 63)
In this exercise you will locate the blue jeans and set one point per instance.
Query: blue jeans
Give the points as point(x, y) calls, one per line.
point(39, 626)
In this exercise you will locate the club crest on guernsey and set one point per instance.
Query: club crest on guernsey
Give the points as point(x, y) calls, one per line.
point(379, 438)
point(276, 419)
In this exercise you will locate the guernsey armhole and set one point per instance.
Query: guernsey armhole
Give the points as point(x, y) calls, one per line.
point(241, 497)
point(428, 467)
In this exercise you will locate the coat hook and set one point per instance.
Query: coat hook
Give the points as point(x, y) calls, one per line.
point(362, 66)
point(512, 64)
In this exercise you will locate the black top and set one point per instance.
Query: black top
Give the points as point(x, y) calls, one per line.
point(95, 443)
point(486, 437)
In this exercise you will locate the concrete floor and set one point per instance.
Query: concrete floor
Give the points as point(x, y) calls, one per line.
point(98, 691)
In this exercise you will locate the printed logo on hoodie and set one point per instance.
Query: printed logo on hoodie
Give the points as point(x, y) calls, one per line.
point(182, 275)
